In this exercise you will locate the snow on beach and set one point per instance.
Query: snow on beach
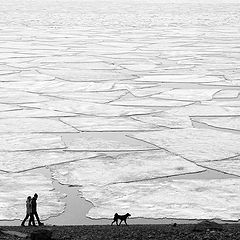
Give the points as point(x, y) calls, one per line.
point(161, 77)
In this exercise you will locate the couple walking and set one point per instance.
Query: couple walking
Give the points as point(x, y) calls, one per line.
point(31, 205)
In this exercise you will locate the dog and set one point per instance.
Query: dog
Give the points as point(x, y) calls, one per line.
point(121, 218)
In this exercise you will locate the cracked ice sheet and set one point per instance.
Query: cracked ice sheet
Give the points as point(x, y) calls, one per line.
point(183, 199)
point(85, 142)
point(108, 124)
point(148, 102)
point(8, 107)
point(179, 78)
point(33, 125)
point(15, 188)
point(166, 120)
point(232, 123)
point(75, 75)
point(204, 110)
point(97, 97)
point(127, 167)
point(26, 76)
point(27, 142)
point(37, 113)
point(195, 144)
point(22, 161)
point(230, 166)
point(88, 108)
point(232, 103)
point(17, 97)
point(55, 86)
point(227, 94)
point(188, 94)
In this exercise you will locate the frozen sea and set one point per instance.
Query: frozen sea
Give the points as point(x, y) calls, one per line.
point(120, 106)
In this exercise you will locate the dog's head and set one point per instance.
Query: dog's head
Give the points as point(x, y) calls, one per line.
point(128, 214)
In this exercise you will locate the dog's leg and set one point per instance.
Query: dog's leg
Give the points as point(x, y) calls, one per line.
point(113, 222)
point(125, 221)
point(120, 223)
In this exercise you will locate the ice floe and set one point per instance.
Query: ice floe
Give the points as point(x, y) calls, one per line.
point(128, 167)
point(8, 107)
point(97, 97)
point(188, 94)
point(37, 113)
point(204, 110)
point(227, 93)
point(165, 120)
point(179, 78)
point(88, 108)
point(26, 141)
point(22, 161)
point(232, 123)
point(88, 142)
point(195, 144)
point(149, 102)
point(108, 124)
point(33, 125)
point(230, 166)
point(184, 199)
point(16, 187)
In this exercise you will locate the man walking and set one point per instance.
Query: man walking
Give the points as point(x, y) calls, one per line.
point(34, 210)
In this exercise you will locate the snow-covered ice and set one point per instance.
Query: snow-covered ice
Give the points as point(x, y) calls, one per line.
point(187, 199)
point(29, 141)
point(129, 167)
point(105, 124)
point(33, 125)
point(232, 123)
point(25, 160)
point(195, 144)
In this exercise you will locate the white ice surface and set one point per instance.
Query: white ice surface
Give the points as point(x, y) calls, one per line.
point(227, 94)
point(22, 161)
point(166, 120)
point(26, 141)
point(187, 199)
point(97, 97)
point(188, 94)
point(195, 144)
point(149, 102)
point(203, 110)
point(78, 75)
point(222, 122)
point(87, 142)
point(17, 97)
point(16, 187)
point(108, 124)
point(33, 125)
point(34, 113)
point(88, 108)
point(179, 78)
point(232, 103)
point(230, 166)
point(128, 167)
point(8, 107)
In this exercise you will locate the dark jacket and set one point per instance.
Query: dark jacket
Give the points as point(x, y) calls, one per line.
point(34, 204)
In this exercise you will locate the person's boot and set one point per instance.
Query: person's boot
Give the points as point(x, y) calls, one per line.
point(41, 224)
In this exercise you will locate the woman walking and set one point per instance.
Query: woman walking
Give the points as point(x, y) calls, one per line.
point(29, 212)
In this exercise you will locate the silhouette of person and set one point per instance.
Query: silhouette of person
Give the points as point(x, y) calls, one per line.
point(28, 212)
point(34, 210)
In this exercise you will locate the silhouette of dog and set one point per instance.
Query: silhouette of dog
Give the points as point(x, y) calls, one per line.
point(121, 218)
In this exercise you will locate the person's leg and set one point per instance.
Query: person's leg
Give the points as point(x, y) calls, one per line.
point(31, 220)
point(37, 217)
point(25, 219)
